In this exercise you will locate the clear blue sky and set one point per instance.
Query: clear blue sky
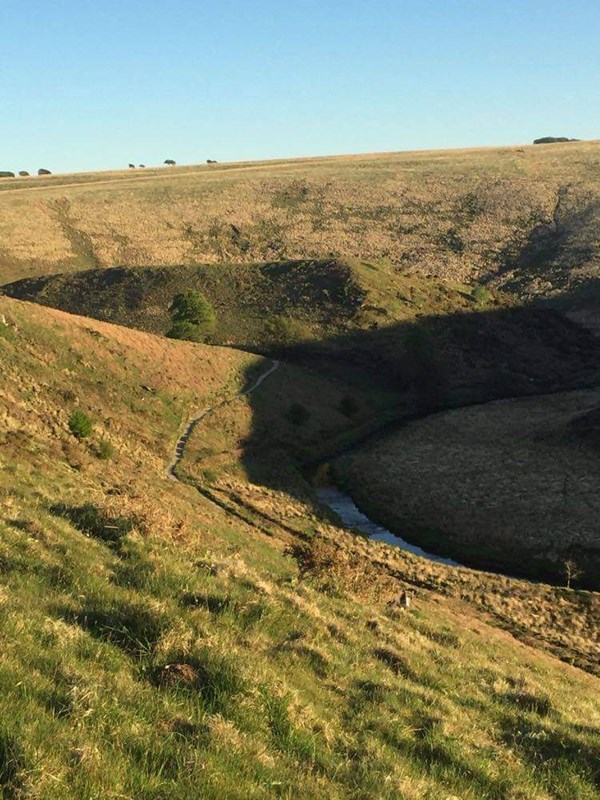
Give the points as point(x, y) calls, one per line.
point(94, 84)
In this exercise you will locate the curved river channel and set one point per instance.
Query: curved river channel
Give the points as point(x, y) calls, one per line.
point(345, 507)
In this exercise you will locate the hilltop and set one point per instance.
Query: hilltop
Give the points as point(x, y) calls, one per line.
point(521, 219)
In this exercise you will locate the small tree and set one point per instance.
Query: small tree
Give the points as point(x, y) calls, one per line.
point(169, 162)
point(186, 331)
point(43, 171)
point(192, 306)
point(572, 571)
point(80, 425)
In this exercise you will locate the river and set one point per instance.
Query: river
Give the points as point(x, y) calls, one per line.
point(345, 507)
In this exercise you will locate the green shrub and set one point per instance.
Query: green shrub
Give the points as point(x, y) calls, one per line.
point(186, 331)
point(105, 451)
point(284, 329)
point(480, 295)
point(193, 307)
point(298, 414)
point(80, 424)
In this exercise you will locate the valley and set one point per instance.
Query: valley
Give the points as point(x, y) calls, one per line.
point(419, 330)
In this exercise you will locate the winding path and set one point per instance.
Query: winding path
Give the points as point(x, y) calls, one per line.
point(183, 439)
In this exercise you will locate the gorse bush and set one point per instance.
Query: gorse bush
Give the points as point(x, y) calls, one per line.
point(104, 450)
point(80, 424)
point(286, 330)
point(480, 295)
point(333, 570)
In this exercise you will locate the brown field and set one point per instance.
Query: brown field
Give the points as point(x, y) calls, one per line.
point(525, 219)
point(513, 483)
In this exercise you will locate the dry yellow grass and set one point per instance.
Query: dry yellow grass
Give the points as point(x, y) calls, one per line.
point(460, 214)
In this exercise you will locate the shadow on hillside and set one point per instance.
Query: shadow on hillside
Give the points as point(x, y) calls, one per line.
point(411, 369)
point(425, 366)
point(557, 248)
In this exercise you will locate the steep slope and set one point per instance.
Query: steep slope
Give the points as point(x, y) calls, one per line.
point(155, 644)
point(525, 219)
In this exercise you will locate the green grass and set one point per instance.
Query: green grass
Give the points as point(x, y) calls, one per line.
point(195, 682)
point(154, 646)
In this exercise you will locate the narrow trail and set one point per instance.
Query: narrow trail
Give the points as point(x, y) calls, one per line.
point(183, 439)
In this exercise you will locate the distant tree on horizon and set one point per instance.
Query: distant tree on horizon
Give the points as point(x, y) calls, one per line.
point(170, 162)
point(131, 166)
point(23, 173)
point(553, 140)
point(43, 171)
point(6, 174)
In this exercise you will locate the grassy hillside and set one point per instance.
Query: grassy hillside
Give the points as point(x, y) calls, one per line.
point(525, 219)
point(255, 302)
point(524, 473)
point(157, 643)
point(362, 321)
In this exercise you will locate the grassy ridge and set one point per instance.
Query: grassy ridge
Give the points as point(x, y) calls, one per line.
point(521, 218)
point(254, 302)
point(155, 646)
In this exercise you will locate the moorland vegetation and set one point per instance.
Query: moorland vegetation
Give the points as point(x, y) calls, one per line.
point(426, 325)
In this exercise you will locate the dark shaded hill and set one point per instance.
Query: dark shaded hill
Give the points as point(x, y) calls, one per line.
point(362, 322)
point(256, 304)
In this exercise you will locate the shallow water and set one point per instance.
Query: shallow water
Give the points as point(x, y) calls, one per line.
point(345, 507)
